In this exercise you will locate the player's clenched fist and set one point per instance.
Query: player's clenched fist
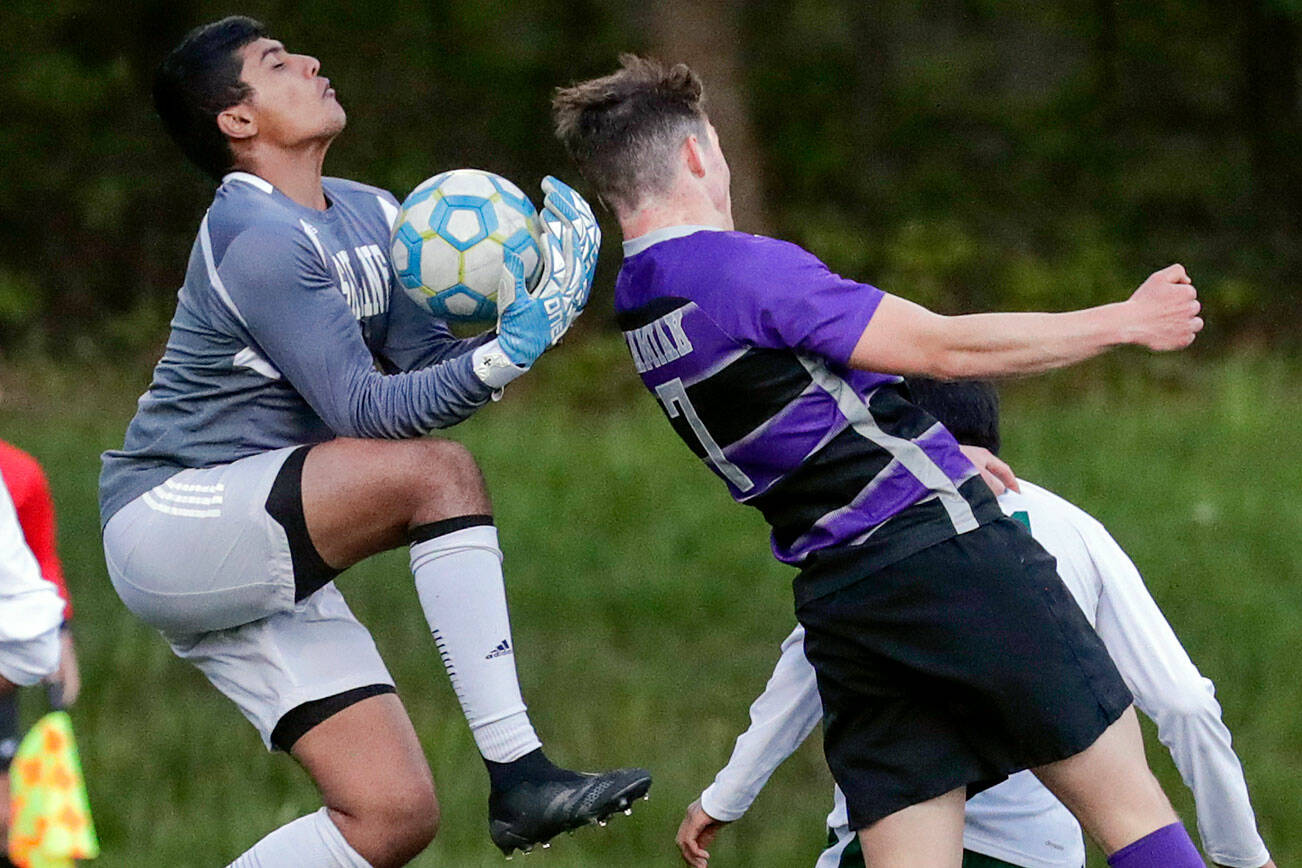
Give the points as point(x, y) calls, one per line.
point(1164, 310)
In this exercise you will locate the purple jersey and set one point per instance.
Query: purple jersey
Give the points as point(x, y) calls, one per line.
point(745, 341)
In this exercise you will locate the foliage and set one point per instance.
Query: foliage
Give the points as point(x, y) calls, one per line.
point(971, 155)
point(979, 155)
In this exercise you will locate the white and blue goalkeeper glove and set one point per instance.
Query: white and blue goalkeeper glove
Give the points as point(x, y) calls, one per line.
point(571, 239)
point(528, 323)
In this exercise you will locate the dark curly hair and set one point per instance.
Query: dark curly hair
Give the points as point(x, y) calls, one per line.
point(199, 80)
point(969, 409)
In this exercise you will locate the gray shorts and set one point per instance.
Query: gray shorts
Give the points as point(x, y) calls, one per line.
point(200, 559)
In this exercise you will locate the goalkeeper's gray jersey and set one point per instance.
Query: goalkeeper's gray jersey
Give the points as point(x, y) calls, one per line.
point(289, 329)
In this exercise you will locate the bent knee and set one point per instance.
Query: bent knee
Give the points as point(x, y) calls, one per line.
point(414, 808)
point(448, 480)
point(446, 455)
point(406, 819)
point(413, 832)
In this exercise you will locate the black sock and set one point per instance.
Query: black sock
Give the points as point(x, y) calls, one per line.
point(533, 767)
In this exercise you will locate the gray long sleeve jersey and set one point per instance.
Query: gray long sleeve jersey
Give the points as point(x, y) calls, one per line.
point(289, 330)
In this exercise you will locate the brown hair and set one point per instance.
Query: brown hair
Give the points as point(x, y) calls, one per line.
point(624, 129)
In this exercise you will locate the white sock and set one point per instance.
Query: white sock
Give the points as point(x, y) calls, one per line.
point(459, 580)
point(313, 841)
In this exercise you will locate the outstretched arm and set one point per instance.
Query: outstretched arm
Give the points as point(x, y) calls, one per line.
point(906, 338)
point(780, 720)
point(1170, 689)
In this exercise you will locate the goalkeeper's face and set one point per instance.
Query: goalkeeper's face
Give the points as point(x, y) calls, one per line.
point(291, 103)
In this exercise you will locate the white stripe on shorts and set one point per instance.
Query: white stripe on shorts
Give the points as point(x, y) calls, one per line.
point(159, 506)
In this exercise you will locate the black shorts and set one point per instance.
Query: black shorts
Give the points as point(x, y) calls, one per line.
point(956, 666)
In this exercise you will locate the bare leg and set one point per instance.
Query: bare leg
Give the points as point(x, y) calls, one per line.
point(361, 497)
point(1109, 788)
point(929, 833)
point(364, 496)
point(373, 778)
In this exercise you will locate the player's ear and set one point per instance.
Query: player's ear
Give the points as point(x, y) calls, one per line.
point(238, 122)
point(694, 156)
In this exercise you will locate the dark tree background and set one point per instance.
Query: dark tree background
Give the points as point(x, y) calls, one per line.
point(968, 154)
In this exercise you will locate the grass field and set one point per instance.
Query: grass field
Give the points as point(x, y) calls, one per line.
point(647, 610)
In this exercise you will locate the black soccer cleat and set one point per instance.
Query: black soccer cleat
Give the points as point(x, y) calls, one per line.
point(532, 813)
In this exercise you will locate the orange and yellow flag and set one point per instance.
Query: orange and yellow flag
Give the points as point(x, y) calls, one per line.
point(49, 815)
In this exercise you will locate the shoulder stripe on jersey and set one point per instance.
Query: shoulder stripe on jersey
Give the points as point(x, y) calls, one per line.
point(205, 243)
point(256, 362)
point(310, 231)
point(250, 179)
point(909, 454)
point(390, 212)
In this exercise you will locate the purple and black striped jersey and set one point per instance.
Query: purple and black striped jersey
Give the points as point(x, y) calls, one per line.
point(745, 341)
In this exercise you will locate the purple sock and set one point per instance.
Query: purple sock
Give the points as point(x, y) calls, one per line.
point(1168, 847)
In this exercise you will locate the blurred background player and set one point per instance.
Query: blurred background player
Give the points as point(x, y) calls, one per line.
point(30, 493)
point(31, 610)
point(280, 442)
point(1019, 823)
point(948, 652)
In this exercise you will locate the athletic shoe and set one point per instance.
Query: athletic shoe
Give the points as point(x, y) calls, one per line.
point(532, 813)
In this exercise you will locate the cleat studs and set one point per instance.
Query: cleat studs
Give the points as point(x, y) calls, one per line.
point(547, 845)
point(647, 797)
point(628, 812)
point(601, 823)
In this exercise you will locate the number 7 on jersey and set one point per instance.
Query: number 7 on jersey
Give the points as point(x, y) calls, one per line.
point(674, 397)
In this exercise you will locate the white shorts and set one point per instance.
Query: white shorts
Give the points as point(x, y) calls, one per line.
point(26, 661)
point(200, 559)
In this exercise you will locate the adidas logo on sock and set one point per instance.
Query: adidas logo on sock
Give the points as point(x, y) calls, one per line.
point(503, 648)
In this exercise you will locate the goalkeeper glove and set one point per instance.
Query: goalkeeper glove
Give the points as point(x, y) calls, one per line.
point(528, 323)
point(571, 239)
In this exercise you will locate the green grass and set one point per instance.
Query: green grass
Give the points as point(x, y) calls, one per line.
point(647, 610)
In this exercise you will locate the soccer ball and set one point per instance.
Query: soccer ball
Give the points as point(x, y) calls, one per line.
point(450, 237)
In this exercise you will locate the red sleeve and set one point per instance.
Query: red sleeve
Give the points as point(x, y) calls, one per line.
point(31, 495)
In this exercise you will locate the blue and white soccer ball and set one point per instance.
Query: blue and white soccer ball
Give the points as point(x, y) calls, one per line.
point(449, 238)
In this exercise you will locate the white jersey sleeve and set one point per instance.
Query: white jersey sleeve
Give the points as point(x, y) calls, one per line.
point(30, 607)
point(1166, 684)
point(780, 720)
point(1170, 690)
